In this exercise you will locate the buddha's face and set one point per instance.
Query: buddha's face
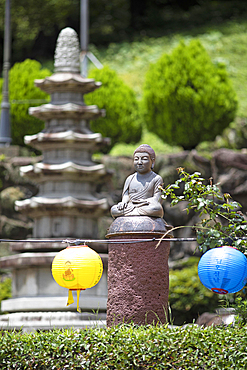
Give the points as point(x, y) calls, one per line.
point(142, 162)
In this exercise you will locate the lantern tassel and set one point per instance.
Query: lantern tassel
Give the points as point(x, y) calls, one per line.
point(78, 297)
point(70, 298)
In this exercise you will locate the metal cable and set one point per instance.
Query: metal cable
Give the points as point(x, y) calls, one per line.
point(85, 241)
point(89, 241)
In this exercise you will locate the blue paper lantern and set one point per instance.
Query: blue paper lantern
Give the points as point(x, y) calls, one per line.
point(223, 270)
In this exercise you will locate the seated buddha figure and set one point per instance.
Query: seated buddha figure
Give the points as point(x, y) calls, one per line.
point(141, 194)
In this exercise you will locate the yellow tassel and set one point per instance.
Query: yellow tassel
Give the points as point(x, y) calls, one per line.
point(70, 298)
point(78, 297)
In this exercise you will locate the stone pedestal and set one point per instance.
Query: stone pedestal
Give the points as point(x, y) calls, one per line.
point(138, 272)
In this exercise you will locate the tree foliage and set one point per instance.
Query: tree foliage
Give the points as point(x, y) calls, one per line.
point(187, 98)
point(22, 95)
point(33, 21)
point(122, 122)
point(36, 23)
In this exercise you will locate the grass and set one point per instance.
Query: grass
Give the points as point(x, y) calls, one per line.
point(227, 43)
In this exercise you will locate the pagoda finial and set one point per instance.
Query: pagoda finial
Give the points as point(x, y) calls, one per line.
point(67, 52)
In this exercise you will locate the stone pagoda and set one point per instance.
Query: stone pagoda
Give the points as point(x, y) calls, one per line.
point(67, 205)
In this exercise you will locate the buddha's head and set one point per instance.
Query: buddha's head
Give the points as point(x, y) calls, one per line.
point(144, 158)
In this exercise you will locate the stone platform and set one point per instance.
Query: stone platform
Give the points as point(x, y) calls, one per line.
point(34, 289)
point(27, 322)
point(138, 272)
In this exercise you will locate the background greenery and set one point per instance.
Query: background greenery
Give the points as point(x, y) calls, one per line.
point(131, 62)
point(122, 122)
point(188, 99)
point(129, 35)
point(188, 298)
point(24, 94)
point(225, 44)
point(36, 23)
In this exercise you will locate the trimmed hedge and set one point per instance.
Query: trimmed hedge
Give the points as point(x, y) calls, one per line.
point(24, 94)
point(187, 98)
point(122, 122)
point(126, 347)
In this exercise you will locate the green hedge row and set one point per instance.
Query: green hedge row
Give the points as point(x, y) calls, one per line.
point(126, 347)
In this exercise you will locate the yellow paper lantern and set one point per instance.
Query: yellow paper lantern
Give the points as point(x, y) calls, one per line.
point(77, 268)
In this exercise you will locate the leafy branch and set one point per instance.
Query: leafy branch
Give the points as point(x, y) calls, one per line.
point(221, 221)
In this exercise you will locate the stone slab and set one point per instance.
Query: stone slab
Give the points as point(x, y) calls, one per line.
point(10, 151)
point(32, 321)
point(52, 304)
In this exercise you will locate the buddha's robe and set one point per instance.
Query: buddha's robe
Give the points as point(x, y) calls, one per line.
point(143, 199)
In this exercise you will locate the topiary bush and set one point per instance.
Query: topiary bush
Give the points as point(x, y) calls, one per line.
point(188, 298)
point(24, 94)
point(122, 122)
point(188, 99)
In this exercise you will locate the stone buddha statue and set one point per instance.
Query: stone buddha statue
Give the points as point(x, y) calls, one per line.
point(141, 194)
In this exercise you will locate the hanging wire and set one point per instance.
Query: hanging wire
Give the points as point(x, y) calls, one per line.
point(104, 241)
point(89, 241)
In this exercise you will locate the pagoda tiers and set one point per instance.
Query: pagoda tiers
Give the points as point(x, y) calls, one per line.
point(67, 204)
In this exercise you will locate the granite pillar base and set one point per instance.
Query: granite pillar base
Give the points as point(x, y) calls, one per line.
point(138, 272)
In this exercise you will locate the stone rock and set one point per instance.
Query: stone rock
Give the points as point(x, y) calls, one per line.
point(14, 229)
point(229, 168)
point(8, 197)
point(225, 158)
point(214, 319)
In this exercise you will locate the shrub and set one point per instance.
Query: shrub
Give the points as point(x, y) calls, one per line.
point(5, 288)
point(24, 94)
point(188, 298)
point(188, 99)
point(126, 347)
point(122, 122)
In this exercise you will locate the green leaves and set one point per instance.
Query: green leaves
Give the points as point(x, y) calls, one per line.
point(221, 221)
point(188, 298)
point(122, 122)
point(5, 289)
point(188, 99)
point(23, 94)
point(126, 347)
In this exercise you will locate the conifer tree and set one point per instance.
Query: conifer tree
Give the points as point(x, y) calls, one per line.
point(187, 98)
